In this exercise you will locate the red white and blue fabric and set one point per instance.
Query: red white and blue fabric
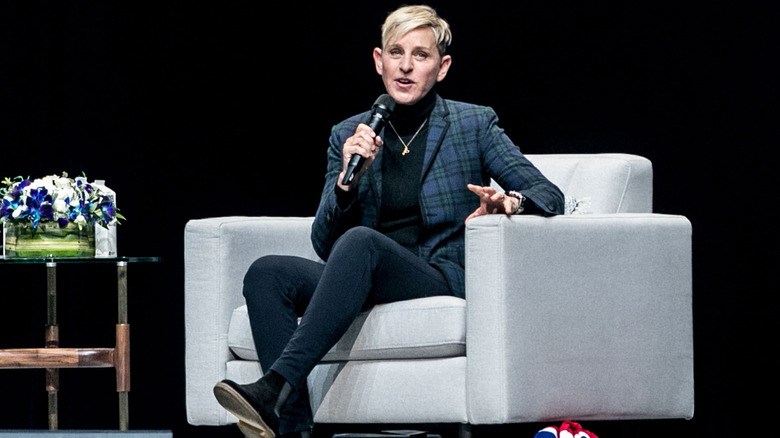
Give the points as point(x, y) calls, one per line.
point(568, 429)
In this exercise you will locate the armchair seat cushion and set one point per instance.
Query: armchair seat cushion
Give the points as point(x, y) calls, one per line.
point(432, 327)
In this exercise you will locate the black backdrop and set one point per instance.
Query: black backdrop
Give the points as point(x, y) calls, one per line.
point(200, 109)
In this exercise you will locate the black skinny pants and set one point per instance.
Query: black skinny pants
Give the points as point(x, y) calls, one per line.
point(365, 268)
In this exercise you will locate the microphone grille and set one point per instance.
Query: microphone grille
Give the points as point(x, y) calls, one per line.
point(386, 101)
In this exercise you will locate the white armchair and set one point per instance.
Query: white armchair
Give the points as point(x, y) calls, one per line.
point(584, 316)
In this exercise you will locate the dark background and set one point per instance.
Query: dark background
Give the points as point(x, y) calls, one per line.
point(199, 109)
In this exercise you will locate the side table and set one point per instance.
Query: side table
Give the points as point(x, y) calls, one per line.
point(52, 357)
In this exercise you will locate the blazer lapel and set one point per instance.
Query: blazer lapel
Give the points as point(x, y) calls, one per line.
point(440, 123)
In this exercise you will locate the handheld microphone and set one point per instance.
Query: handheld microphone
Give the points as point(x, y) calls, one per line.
point(380, 113)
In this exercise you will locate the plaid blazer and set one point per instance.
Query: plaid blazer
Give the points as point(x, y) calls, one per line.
point(464, 146)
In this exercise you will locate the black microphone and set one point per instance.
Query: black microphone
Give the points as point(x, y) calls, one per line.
point(380, 113)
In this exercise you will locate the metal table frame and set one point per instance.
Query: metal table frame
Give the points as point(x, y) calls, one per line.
point(53, 357)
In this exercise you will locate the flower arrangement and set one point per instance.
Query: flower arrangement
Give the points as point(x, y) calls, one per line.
point(56, 199)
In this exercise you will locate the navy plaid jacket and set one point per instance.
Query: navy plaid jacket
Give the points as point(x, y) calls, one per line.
point(464, 146)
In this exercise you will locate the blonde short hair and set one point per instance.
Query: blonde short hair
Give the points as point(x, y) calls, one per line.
point(408, 18)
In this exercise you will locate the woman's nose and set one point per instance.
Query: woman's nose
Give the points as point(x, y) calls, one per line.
point(406, 64)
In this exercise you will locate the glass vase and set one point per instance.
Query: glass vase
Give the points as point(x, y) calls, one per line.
point(48, 239)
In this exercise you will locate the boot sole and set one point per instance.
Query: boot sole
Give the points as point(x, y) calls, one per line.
point(250, 422)
point(252, 432)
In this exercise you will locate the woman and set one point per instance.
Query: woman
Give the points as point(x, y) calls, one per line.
point(395, 232)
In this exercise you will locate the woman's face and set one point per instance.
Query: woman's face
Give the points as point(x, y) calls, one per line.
point(411, 65)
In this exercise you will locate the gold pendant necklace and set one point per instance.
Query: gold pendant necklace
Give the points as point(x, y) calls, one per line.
point(406, 145)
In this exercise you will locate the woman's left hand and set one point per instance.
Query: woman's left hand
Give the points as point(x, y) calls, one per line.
point(491, 201)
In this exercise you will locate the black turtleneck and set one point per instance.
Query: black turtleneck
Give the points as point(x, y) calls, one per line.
point(400, 217)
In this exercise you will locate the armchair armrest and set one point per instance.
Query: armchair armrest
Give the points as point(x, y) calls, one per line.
point(579, 317)
point(217, 254)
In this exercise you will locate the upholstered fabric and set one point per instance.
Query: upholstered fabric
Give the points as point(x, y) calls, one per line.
point(217, 254)
point(594, 307)
point(422, 328)
point(614, 183)
point(390, 391)
point(586, 316)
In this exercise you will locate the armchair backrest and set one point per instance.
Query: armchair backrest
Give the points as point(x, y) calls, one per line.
point(611, 183)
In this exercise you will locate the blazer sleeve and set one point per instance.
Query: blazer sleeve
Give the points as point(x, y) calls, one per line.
point(513, 171)
point(331, 219)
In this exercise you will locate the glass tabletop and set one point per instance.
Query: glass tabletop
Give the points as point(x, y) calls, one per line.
point(77, 260)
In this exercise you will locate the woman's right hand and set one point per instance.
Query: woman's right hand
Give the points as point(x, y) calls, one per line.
point(365, 143)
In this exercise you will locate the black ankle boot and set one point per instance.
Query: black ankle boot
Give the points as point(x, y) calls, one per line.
point(257, 405)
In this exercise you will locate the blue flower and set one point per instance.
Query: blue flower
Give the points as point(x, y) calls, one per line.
point(39, 206)
point(107, 208)
point(56, 198)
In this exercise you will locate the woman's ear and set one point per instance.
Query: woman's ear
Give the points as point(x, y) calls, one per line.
point(444, 67)
point(378, 60)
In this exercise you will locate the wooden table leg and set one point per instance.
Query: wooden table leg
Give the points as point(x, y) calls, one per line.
point(52, 341)
point(122, 365)
point(122, 349)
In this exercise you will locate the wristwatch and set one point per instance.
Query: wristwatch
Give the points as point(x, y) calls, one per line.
point(519, 196)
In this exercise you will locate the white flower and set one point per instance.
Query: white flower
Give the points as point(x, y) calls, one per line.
point(18, 212)
point(63, 183)
point(65, 193)
point(46, 183)
point(60, 206)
